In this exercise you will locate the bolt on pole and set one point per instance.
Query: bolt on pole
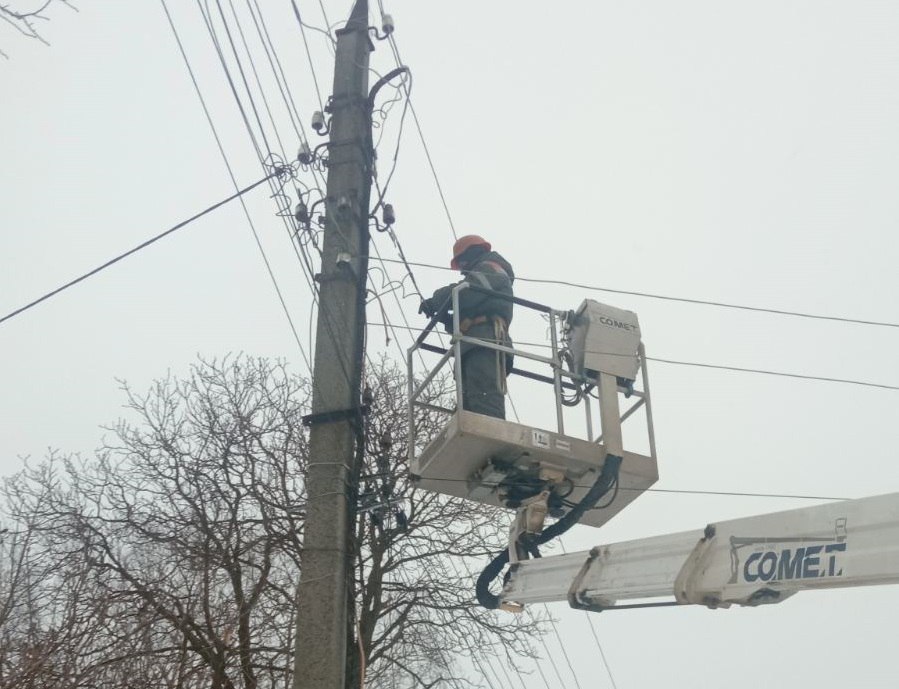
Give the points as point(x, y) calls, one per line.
point(325, 607)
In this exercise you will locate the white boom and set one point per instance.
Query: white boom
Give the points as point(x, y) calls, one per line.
point(750, 561)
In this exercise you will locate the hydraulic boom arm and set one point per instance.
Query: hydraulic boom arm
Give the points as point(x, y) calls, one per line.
point(749, 561)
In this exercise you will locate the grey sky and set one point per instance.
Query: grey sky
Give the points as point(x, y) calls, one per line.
point(736, 152)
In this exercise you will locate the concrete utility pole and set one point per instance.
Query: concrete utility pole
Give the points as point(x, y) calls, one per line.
point(324, 610)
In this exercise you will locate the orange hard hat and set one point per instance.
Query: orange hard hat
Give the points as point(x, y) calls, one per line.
point(463, 244)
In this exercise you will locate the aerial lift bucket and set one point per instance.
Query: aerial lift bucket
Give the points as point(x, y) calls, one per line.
point(596, 349)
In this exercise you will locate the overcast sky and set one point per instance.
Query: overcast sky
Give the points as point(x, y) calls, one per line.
point(745, 153)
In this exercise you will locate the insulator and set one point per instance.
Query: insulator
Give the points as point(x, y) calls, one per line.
point(387, 25)
point(301, 213)
point(318, 120)
point(388, 215)
point(305, 155)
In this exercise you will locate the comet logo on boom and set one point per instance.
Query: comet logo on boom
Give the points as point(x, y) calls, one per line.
point(787, 558)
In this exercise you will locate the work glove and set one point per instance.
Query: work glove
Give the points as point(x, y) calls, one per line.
point(427, 308)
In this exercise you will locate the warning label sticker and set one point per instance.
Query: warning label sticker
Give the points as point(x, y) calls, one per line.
point(540, 438)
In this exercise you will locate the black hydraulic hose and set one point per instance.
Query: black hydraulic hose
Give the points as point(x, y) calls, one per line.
point(491, 572)
point(608, 477)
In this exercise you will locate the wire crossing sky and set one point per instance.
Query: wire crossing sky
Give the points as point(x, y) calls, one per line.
point(139, 247)
point(737, 155)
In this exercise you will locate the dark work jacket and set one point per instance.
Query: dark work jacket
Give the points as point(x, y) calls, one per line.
point(492, 272)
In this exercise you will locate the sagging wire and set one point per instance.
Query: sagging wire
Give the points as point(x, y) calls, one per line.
point(384, 110)
point(407, 89)
point(388, 285)
point(377, 297)
point(282, 199)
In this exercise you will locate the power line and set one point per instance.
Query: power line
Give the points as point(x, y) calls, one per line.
point(704, 302)
point(687, 300)
point(240, 70)
point(299, 249)
point(318, 91)
point(140, 246)
point(327, 34)
point(281, 80)
point(246, 211)
point(685, 491)
point(252, 62)
point(720, 367)
point(734, 493)
point(421, 135)
point(488, 659)
point(562, 647)
point(782, 374)
point(589, 617)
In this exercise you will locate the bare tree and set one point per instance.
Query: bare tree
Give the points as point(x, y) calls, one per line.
point(172, 556)
point(25, 20)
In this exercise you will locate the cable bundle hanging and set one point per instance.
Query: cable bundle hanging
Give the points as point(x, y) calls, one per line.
point(607, 480)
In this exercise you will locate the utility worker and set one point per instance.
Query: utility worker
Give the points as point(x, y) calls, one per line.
point(484, 316)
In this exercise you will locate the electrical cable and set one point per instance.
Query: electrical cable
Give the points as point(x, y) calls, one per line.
point(396, 54)
point(542, 676)
point(403, 577)
point(468, 571)
point(296, 240)
point(139, 247)
point(208, 22)
point(433, 169)
point(725, 367)
point(282, 200)
point(607, 476)
point(228, 167)
point(287, 93)
point(259, 84)
point(304, 259)
point(564, 652)
point(455, 236)
point(399, 136)
point(240, 70)
point(324, 14)
point(704, 302)
point(552, 661)
point(252, 62)
point(783, 374)
point(300, 250)
point(331, 41)
point(392, 327)
point(682, 491)
point(318, 91)
point(602, 653)
point(686, 300)
point(283, 85)
point(281, 81)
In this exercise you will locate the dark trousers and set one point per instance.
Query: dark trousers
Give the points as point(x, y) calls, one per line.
point(483, 382)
